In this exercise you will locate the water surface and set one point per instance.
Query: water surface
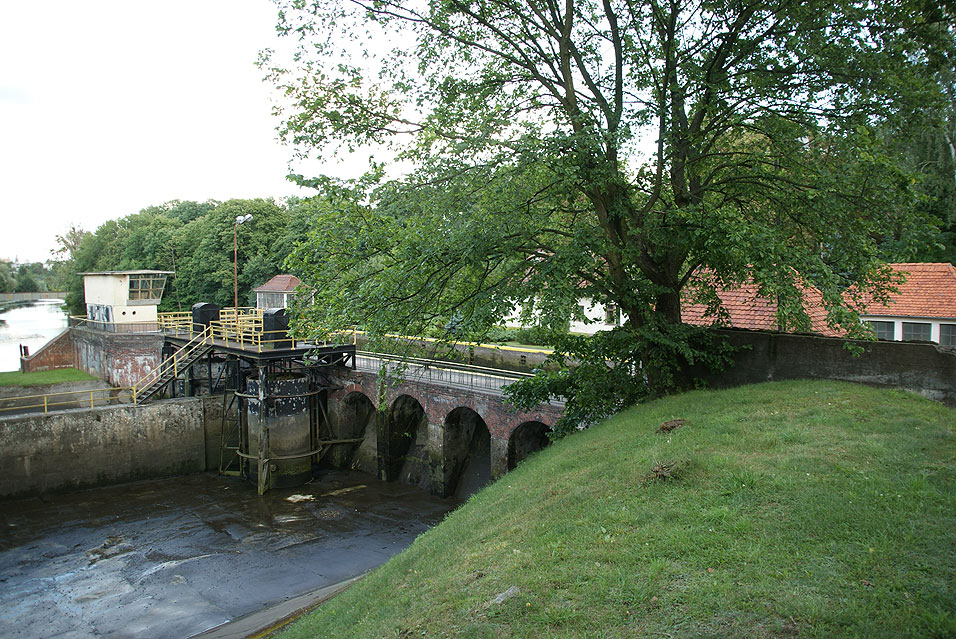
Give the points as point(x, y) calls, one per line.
point(32, 325)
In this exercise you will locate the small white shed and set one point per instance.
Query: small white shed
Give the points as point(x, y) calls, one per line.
point(277, 292)
point(123, 297)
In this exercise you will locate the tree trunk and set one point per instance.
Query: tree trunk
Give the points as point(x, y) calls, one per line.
point(668, 307)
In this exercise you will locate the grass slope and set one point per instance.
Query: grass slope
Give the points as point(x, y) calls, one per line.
point(803, 509)
point(59, 376)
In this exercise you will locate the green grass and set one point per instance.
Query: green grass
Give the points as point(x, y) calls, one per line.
point(803, 509)
point(16, 378)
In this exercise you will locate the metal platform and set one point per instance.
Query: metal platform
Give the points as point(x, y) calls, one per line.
point(318, 354)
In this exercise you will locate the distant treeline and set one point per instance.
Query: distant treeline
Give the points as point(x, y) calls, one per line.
point(194, 239)
point(34, 277)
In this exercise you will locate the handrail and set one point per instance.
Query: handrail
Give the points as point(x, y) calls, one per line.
point(62, 400)
point(475, 378)
point(148, 326)
point(249, 334)
point(172, 362)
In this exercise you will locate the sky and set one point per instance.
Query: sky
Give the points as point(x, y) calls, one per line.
point(108, 107)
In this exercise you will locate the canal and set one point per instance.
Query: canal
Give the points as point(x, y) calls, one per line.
point(173, 558)
point(33, 325)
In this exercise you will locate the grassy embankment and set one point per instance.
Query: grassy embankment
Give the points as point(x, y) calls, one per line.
point(16, 378)
point(805, 509)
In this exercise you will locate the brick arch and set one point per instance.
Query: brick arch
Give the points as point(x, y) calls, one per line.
point(353, 416)
point(466, 452)
point(500, 418)
point(403, 442)
point(527, 438)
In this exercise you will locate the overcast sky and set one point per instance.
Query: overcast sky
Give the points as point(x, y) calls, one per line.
point(109, 106)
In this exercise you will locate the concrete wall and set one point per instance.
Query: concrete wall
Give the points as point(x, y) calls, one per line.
point(508, 358)
point(57, 353)
point(118, 358)
point(926, 369)
point(81, 448)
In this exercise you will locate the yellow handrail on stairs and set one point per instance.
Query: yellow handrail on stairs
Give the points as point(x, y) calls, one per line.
point(172, 363)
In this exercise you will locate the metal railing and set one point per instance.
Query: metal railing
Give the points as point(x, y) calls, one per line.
point(115, 327)
point(88, 399)
point(175, 322)
point(490, 381)
point(172, 363)
point(249, 335)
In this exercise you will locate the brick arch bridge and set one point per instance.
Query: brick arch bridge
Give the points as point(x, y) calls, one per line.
point(444, 430)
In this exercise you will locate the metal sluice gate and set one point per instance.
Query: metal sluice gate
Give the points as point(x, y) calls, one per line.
point(272, 423)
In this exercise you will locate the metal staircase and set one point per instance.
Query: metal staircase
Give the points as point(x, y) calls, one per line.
point(172, 366)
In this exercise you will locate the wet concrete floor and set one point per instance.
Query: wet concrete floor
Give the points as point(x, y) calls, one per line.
point(172, 558)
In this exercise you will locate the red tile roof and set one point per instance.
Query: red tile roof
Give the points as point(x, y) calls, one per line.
point(746, 309)
point(280, 284)
point(929, 291)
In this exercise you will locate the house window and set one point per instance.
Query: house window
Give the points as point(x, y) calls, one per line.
point(916, 332)
point(612, 315)
point(146, 287)
point(947, 334)
point(884, 330)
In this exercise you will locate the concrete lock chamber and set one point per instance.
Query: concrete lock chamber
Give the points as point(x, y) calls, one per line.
point(279, 442)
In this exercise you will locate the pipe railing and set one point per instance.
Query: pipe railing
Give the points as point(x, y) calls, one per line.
point(88, 399)
point(489, 381)
point(172, 363)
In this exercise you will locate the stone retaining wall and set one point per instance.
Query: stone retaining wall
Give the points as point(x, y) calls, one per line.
point(78, 449)
point(923, 368)
point(119, 358)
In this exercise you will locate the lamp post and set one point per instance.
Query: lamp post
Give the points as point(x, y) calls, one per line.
point(240, 219)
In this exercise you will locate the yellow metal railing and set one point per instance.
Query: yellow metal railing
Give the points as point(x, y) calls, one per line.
point(249, 335)
point(176, 322)
point(68, 399)
point(172, 363)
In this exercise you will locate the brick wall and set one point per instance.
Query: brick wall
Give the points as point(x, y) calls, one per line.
point(57, 353)
point(118, 358)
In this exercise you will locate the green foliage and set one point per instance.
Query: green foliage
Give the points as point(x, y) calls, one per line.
point(7, 279)
point(610, 151)
point(193, 239)
point(603, 374)
point(32, 277)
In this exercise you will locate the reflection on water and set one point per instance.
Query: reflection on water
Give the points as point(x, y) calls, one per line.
point(33, 326)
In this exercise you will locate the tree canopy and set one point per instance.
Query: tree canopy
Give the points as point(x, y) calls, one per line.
point(194, 240)
point(610, 150)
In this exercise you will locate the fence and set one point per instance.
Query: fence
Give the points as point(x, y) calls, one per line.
point(48, 402)
point(473, 378)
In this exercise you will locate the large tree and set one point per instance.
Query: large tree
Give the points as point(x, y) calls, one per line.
point(609, 149)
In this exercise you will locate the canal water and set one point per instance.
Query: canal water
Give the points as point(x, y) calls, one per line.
point(172, 558)
point(32, 325)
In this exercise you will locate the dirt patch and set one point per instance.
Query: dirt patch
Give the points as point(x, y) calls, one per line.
point(671, 425)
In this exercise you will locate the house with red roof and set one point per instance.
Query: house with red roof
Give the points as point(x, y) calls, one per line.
point(277, 292)
point(744, 307)
point(923, 309)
